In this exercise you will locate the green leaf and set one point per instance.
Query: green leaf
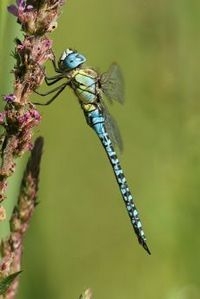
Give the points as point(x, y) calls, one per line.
point(6, 282)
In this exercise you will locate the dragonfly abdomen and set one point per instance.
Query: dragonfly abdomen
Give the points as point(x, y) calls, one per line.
point(97, 121)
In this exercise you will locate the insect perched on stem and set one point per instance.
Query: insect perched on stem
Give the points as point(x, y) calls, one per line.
point(89, 87)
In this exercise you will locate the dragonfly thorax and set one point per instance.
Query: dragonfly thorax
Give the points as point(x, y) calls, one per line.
point(70, 60)
point(85, 83)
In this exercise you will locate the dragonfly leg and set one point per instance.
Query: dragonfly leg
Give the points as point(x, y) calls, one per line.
point(50, 91)
point(52, 80)
point(59, 89)
point(56, 68)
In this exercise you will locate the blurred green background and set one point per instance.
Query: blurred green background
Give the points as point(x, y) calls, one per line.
point(80, 235)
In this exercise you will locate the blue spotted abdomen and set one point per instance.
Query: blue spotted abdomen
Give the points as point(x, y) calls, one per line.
point(96, 120)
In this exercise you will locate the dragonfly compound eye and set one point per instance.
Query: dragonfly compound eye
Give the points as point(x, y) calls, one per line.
point(70, 60)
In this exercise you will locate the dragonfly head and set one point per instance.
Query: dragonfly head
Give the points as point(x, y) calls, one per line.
point(70, 59)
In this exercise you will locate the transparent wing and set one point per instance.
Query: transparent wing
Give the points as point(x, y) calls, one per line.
point(112, 84)
point(112, 128)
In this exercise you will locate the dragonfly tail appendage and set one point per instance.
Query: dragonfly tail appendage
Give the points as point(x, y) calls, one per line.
point(96, 120)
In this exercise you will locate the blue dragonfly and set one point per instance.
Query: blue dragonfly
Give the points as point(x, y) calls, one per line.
point(89, 87)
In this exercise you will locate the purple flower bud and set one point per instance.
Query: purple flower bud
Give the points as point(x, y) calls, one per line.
point(13, 9)
point(20, 7)
point(9, 98)
point(18, 2)
point(21, 3)
point(35, 114)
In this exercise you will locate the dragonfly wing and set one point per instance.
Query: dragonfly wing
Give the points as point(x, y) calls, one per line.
point(112, 129)
point(112, 84)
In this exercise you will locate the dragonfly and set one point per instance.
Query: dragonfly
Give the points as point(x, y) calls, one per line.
point(90, 87)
